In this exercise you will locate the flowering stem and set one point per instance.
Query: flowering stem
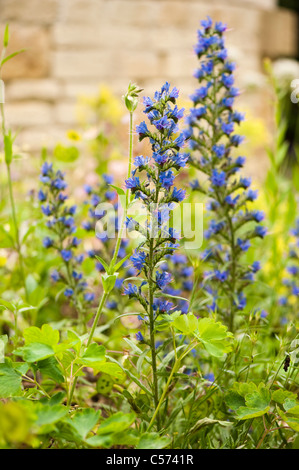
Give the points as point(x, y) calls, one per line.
point(105, 295)
point(120, 233)
point(152, 332)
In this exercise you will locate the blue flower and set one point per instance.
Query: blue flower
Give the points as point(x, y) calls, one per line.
point(68, 292)
point(166, 179)
point(139, 337)
point(46, 210)
point(89, 296)
point(42, 196)
point(163, 306)
point(66, 255)
point(260, 231)
point(218, 178)
point(243, 244)
point(55, 276)
point(138, 259)
point(162, 279)
point(48, 242)
point(131, 290)
point(178, 195)
point(132, 182)
point(142, 130)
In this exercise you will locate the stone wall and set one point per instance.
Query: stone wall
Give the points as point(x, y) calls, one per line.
point(74, 45)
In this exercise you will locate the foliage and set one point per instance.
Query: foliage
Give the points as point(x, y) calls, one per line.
point(132, 340)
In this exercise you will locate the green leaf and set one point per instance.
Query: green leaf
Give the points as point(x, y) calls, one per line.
point(94, 356)
point(108, 281)
point(279, 396)
point(44, 335)
point(12, 55)
point(291, 406)
point(121, 262)
point(201, 423)
point(256, 404)
point(35, 352)
point(187, 324)
point(8, 305)
point(214, 336)
point(152, 440)
point(234, 400)
point(84, 421)
point(103, 262)
point(112, 369)
point(50, 368)
point(116, 423)
point(47, 414)
point(10, 381)
point(6, 36)
point(119, 191)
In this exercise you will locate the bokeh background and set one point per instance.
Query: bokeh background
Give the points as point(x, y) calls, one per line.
point(89, 50)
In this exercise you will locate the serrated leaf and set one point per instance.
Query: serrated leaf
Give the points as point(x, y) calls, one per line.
point(214, 336)
point(10, 381)
point(44, 335)
point(187, 324)
point(47, 414)
point(152, 440)
point(279, 396)
point(93, 356)
point(116, 423)
point(34, 352)
point(84, 421)
point(257, 404)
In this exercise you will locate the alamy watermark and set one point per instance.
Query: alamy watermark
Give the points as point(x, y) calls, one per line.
point(184, 221)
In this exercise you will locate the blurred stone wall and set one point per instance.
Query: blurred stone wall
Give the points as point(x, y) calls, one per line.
point(74, 45)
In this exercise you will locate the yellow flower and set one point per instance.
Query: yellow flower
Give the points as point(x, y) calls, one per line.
point(73, 135)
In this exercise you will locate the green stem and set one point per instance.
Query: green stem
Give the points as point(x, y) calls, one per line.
point(13, 210)
point(152, 334)
point(175, 368)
